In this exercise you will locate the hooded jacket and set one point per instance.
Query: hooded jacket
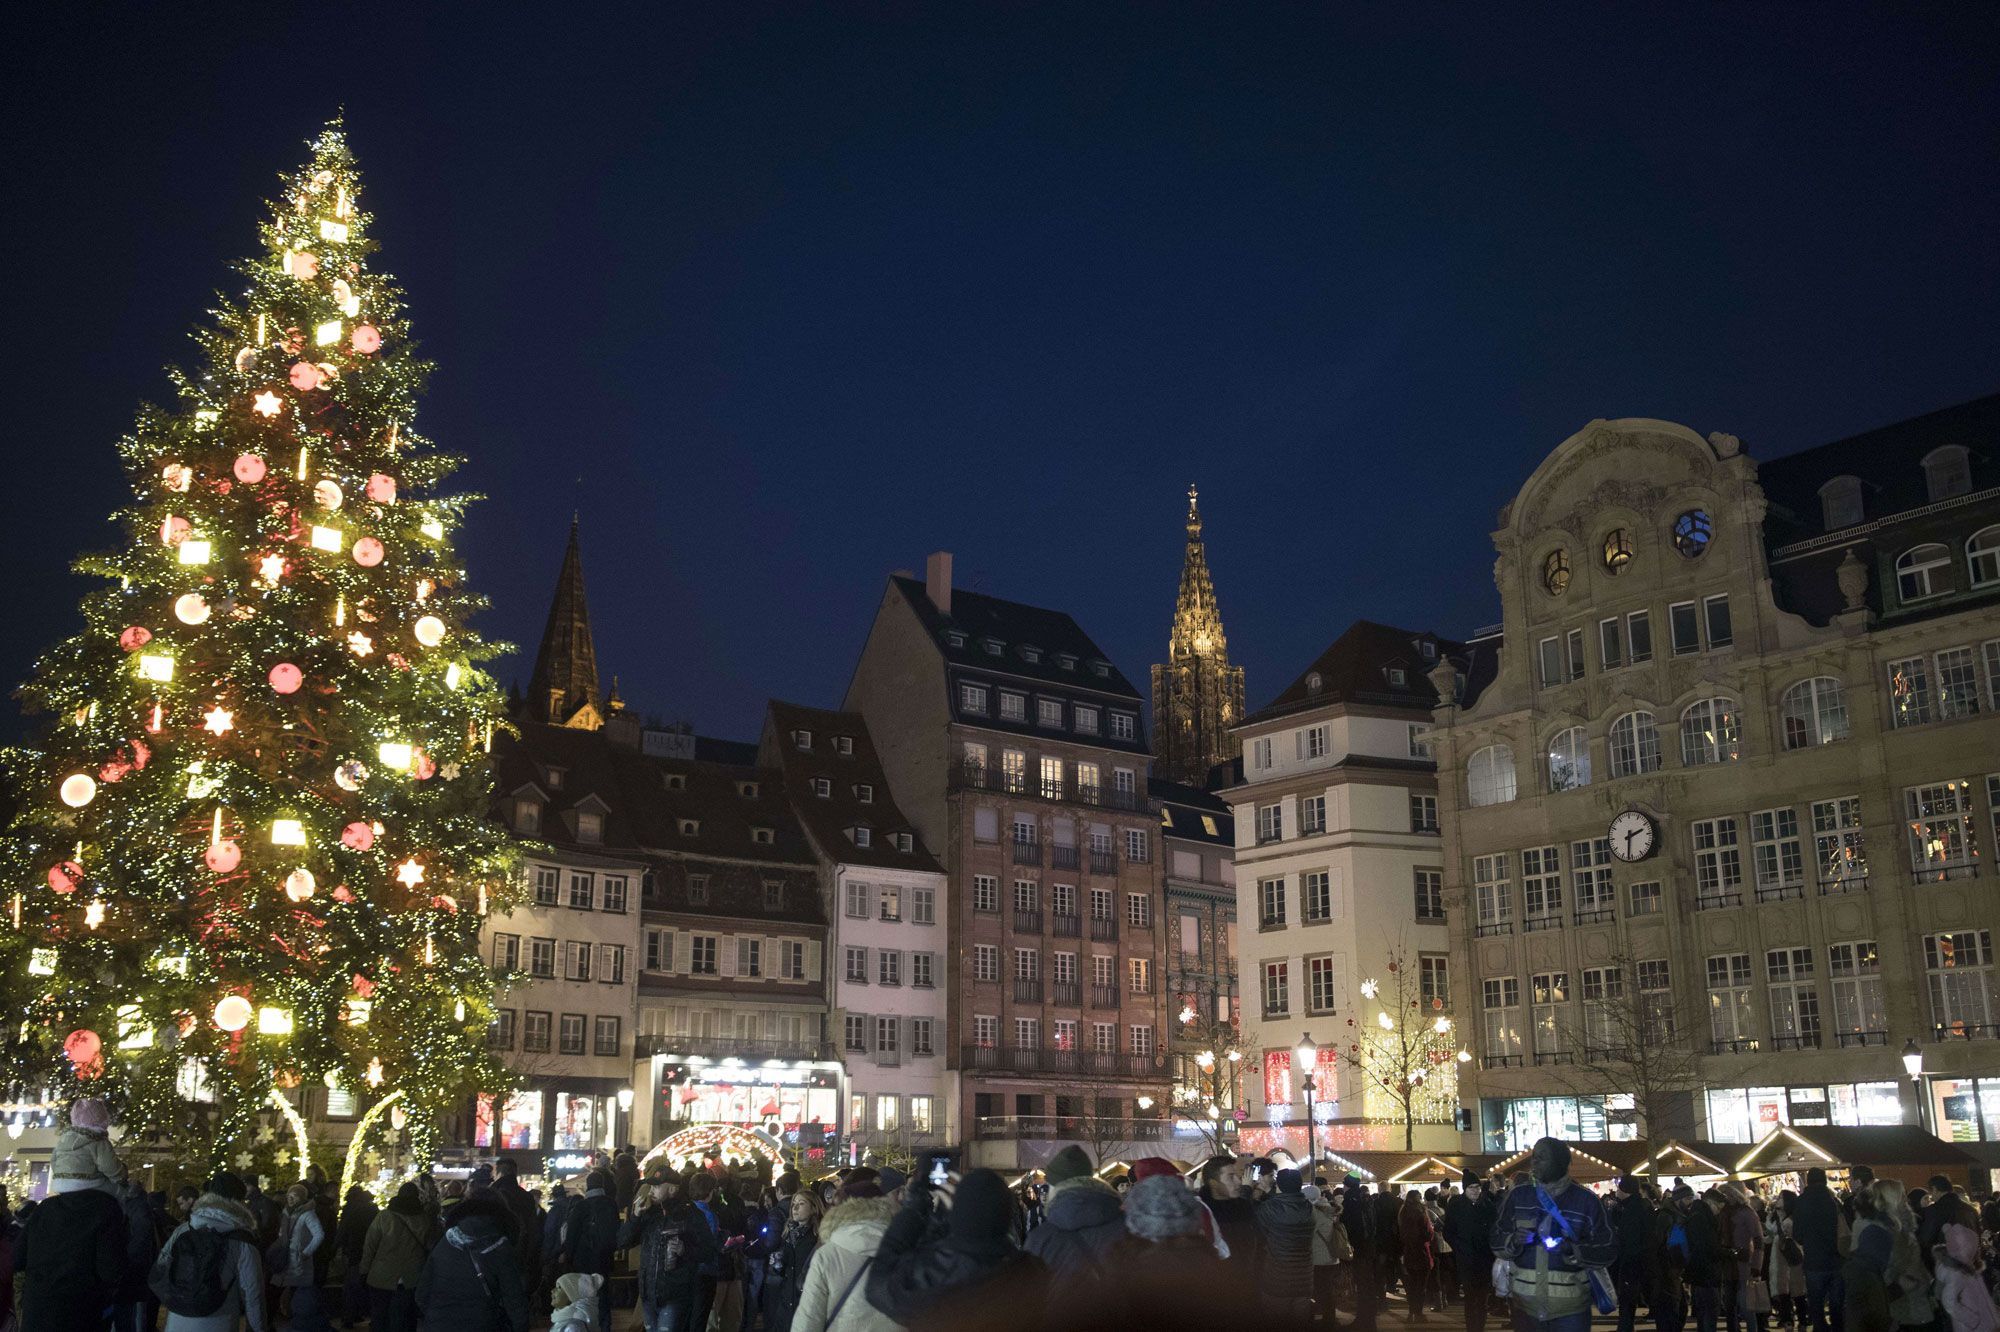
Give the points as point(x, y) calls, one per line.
point(1960, 1288)
point(392, 1253)
point(1468, 1228)
point(304, 1238)
point(84, 1157)
point(1085, 1218)
point(1284, 1244)
point(964, 1273)
point(242, 1272)
point(849, 1235)
point(1906, 1277)
point(351, 1232)
point(472, 1281)
point(590, 1233)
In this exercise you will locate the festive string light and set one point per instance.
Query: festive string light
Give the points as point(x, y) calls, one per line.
point(274, 1022)
point(156, 667)
point(93, 914)
point(328, 539)
point(268, 403)
point(287, 832)
point(233, 1013)
point(193, 550)
point(410, 873)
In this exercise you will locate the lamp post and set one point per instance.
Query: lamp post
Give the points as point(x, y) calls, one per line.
point(1913, 1064)
point(1306, 1058)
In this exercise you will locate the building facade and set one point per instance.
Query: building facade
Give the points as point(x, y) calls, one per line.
point(887, 909)
point(1197, 694)
point(1017, 750)
point(1339, 879)
point(1720, 800)
point(1198, 840)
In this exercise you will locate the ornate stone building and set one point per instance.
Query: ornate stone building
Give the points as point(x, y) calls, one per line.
point(563, 689)
point(1197, 694)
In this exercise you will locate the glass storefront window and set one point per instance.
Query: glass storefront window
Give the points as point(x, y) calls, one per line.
point(517, 1127)
point(1515, 1125)
point(1739, 1114)
point(1808, 1106)
point(1728, 1115)
point(574, 1114)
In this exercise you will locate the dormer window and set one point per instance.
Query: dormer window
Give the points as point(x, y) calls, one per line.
point(905, 841)
point(1124, 726)
point(589, 826)
point(864, 793)
point(748, 790)
point(843, 745)
point(1013, 707)
point(1031, 655)
point(1948, 472)
point(1085, 719)
point(763, 836)
point(861, 835)
point(1920, 572)
point(690, 827)
point(1066, 660)
point(994, 647)
point(1840, 502)
point(677, 781)
point(1101, 669)
point(822, 788)
point(1398, 677)
point(953, 638)
point(554, 778)
point(1428, 648)
point(802, 741)
point(527, 816)
point(1048, 712)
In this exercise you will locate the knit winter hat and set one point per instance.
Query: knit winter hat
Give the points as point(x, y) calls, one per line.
point(576, 1287)
point(91, 1114)
point(1147, 1167)
point(1072, 1162)
point(1160, 1208)
point(982, 1211)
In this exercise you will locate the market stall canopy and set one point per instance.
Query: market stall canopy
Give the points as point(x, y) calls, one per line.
point(1426, 1169)
point(1678, 1159)
point(1900, 1151)
point(1589, 1163)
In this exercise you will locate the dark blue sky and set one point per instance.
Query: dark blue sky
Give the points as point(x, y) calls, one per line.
point(800, 294)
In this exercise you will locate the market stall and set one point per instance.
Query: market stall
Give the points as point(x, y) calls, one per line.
point(1780, 1159)
point(1589, 1163)
point(1696, 1164)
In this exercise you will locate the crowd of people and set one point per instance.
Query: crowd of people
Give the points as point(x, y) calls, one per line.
point(726, 1246)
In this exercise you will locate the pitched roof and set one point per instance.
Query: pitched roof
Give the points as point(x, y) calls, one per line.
point(1183, 807)
point(566, 661)
point(982, 619)
point(827, 819)
point(1355, 669)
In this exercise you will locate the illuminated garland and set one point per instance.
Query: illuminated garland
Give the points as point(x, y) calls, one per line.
point(299, 1136)
point(702, 1140)
point(360, 1139)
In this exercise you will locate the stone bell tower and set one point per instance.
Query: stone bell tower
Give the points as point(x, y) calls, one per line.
point(1197, 694)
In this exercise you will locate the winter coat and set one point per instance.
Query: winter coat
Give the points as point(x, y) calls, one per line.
point(927, 1279)
point(1468, 1227)
point(1173, 1283)
point(1519, 1228)
point(351, 1233)
point(1816, 1226)
point(304, 1237)
point(1414, 1230)
point(650, 1228)
point(453, 1293)
point(1666, 1265)
point(1284, 1238)
point(1704, 1240)
point(1906, 1278)
point(1785, 1278)
point(1744, 1233)
point(1865, 1303)
point(624, 1178)
point(849, 1235)
point(142, 1243)
point(72, 1254)
point(1236, 1222)
point(1326, 1221)
point(527, 1217)
point(243, 1272)
point(84, 1155)
point(393, 1252)
point(590, 1234)
point(1086, 1217)
point(1961, 1289)
point(785, 1276)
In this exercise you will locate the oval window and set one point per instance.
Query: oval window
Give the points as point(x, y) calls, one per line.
point(1692, 531)
point(1555, 572)
point(1617, 550)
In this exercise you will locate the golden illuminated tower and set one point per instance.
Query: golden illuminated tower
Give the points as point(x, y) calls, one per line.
point(1197, 694)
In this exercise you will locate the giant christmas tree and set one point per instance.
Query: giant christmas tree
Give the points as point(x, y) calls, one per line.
point(252, 848)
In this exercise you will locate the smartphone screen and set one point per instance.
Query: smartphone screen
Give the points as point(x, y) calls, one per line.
point(940, 1169)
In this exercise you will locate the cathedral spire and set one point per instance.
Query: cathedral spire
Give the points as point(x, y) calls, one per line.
point(563, 688)
point(1197, 694)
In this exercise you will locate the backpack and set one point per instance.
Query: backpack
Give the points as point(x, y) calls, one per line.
point(193, 1275)
point(1677, 1245)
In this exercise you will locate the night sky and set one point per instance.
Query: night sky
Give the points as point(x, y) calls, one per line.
point(780, 299)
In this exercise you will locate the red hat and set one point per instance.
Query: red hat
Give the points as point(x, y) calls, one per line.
point(1147, 1167)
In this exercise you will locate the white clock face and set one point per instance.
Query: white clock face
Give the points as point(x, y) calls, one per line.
point(1632, 836)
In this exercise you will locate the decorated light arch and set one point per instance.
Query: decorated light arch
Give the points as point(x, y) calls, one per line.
point(359, 1140)
point(700, 1140)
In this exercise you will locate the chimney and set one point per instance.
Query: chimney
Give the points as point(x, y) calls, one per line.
point(937, 580)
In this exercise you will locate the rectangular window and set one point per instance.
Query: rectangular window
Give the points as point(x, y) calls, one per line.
point(1960, 967)
point(1315, 896)
point(859, 899)
point(1312, 814)
point(582, 891)
point(1277, 989)
point(537, 1030)
point(1138, 846)
point(1684, 627)
point(749, 957)
point(1493, 894)
point(1320, 994)
point(923, 906)
point(1104, 1037)
point(1909, 693)
point(1124, 726)
point(615, 893)
point(985, 962)
point(1027, 1033)
point(611, 964)
point(886, 1041)
point(697, 890)
point(1142, 1041)
point(985, 1031)
point(500, 1035)
point(1434, 980)
point(1549, 996)
point(1027, 964)
point(890, 905)
point(606, 1037)
point(1656, 1003)
point(1604, 1034)
point(1500, 1003)
point(1729, 1003)
point(888, 967)
point(1014, 771)
point(1645, 898)
point(774, 895)
point(856, 960)
point(1573, 642)
point(1794, 998)
point(1260, 753)
point(569, 1040)
point(1049, 712)
point(1139, 911)
point(1550, 656)
point(1052, 778)
point(1420, 744)
point(542, 958)
point(1939, 818)
point(1430, 894)
point(1100, 904)
point(1062, 899)
point(1027, 895)
point(985, 892)
point(1715, 619)
point(1088, 783)
point(1777, 854)
point(548, 882)
point(1541, 888)
point(854, 1032)
point(1312, 742)
point(1102, 970)
point(1957, 683)
point(791, 959)
point(923, 970)
point(1859, 1015)
point(1270, 822)
point(1140, 974)
point(1085, 719)
point(1992, 654)
point(576, 961)
point(701, 955)
point(920, 1044)
point(1610, 644)
point(1590, 877)
point(1013, 707)
point(1271, 900)
point(1639, 636)
point(1423, 813)
point(506, 952)
point(1841, 862)
point(1064, 1034)
point(1718, 864)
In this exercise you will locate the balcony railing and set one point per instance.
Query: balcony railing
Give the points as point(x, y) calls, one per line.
point(1855, 883)
point(1064, 857)
point(1065, 926)
point(1027, 991)
point(1718, 901)
point(1801, 1041)
point(1606, 1054)
point(1103, 862)
point(1503, 1061)
point(1780, 892)
point(1066, 994)
point(1027, 853)
point(1545, 1057)
point(1535, 924)
point(1070, 1128)
point(723, 1047)
point(1103, 928)
point(1845, 1039)
point(1733, 1047)
point(1598, 917)
point(1965, 1031)
point(1027, 922)
point(1104, 996)
point(986, 777)
point(1085, 1063)
point(1492, 928)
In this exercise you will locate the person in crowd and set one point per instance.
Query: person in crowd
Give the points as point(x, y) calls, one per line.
point(1946, 1207)
point(1742, 1236)
point(1387, 1205)
point(625, 1177)
point(1417, 1239)
point(830, 1297)
point(1818, 1224)
point(526, 1214)
point(1221, 1194)
point(10, 1243)
point(295, 1259)
point(1631, 1225)
point(1706, 1273)
point(184, 1201)
point(1084, 1220)
point(786, 1265)
point(211, 1263)
point(71, 1257)
point(472, 1279)
point(1163, 1273)
point(1329, 1248)
point(1784, 1260)
point(590, 1236)
point(959, 1273)
point(392, 1259)
point(1468, 1225)
point(1858, 1179)
point(84, 1157)
point(1667, 1248)
point(721, 1302)
point(1962, 1292)
point(1551, 1245)
point(1907, 1280)
point(1357, 1218)
point(1862, 1290)
point(350, 1241)
point(675, 1241)
point(1284, 1253)
point(142, 1246)
point(573, 1303)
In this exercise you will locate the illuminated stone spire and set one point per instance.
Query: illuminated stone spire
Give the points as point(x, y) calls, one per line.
point(1197, 694)
point(563, 688)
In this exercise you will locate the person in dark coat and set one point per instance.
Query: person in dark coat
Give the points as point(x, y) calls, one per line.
point(526, 1213)
point(1384, 1205)
point(72, 1254)
point(350, 1238)
point(1164, 1273)
point(1418, 1238)
point(1816, 1225)
point(472, 1281)
point(1551, 1257)
point(1284, 1247)
point(1945, 1208)
point(786, 1264)
point(590, 1236)
point(1864, 1297)
point(1235, 1219)
point(961, 1272)
point(1632, 1226)
point(625, 1178)
point(1357, 1217)
point(675, 1241)
point(1084, 1219)
point(1704, 1272)
point(1468, 1228)
point(142, 1246)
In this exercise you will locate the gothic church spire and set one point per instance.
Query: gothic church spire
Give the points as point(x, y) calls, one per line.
point(1197, 694)
point(563, 689)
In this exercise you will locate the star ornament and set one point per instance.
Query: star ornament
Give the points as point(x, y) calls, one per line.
point(268, 403)
point(410, 873)
point(271, 568)
point(217, 720)
point(360, 644)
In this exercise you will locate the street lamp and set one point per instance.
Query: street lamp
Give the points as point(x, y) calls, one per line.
point(1913, 1064)
point(1307, 1058)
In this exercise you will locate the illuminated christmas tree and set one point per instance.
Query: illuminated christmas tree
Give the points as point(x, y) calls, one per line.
point(252, 848)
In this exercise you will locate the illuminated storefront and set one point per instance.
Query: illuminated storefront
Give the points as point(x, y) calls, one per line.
point(789, 1099)
point(1514, 1124)
point(1965, 1109)
point(539, 1124)
point(1746, 1114)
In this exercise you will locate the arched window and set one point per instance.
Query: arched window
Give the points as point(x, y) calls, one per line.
point(1982, 554)
point(1569, 759)
point(1813, 712)
point(1710, 733)
point(1635, 745)
point(1489, 778)
point(1947, 471)
point(1920, 572)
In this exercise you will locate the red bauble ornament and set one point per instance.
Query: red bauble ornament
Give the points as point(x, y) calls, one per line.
point(363, 987)
point(114, 771)
point(367, 339)
point(368, 552)
point(306, 376)
point(248, 468)
point(305, 265)
point(357, 837)
point(65, 877)
point(223, 856)
point(286, 678)
point(421, 766)
point(341, 894)
point(382, 488)
point(85, 1049)
point(135, 637)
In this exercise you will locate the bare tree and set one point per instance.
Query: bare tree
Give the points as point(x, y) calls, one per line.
point(1207, 1089)
point(1407, 1047)
point(1099, 1126)
point(1632, 1035)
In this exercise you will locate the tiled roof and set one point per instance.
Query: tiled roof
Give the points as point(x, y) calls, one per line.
point(1355, 669)
point(981, 619)
point(1182, 809)
point(828, 818)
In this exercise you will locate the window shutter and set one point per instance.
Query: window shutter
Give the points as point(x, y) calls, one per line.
point(1336, 887)
point(725, 955)
point(1298, 744)
point(814, 948)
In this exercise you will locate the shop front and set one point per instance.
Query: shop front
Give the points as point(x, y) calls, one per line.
point(552, 1128)
point(1514, 1124)
point(795, 1101)
point(1747, 1114)
point(1965, 1109)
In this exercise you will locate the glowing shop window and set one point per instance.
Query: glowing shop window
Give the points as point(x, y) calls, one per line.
point(340, 1104)
point(574, 1115)
point(520, 1126)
